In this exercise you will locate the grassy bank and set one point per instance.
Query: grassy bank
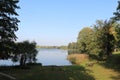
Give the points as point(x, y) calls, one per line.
point(75, 72)
point(37, 72)
point(102, 73)
point(81, 70)
point(100, 70)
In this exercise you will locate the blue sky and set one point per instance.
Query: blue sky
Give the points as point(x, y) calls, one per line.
point(58, 22)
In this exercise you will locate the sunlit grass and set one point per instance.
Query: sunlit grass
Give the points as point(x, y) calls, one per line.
point(118, 52)
point(100, 70)
point(101, 73)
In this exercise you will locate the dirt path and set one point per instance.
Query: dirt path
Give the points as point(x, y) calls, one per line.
point(102, 73)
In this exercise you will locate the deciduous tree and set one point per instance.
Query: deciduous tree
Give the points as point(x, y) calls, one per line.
point(84, 40)
point(25, 52)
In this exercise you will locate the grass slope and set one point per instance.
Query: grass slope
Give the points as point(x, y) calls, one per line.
point(49, 73)
point(102, 73)
point(100, 70)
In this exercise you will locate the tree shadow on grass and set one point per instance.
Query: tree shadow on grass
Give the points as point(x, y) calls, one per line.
point(77, 73)
point(116, 77)
point(113, 62)
point(61, 73)
point(50, 73)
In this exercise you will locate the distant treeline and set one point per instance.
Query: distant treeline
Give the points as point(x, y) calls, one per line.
point(50, 47)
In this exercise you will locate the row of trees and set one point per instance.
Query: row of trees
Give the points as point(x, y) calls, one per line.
point(100, 39)
point(22, 51)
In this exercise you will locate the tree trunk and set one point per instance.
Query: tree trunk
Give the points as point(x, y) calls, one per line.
point(21, 60)
point(24, 60)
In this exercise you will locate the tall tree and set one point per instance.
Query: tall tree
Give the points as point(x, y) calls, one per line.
point(104, 37)
point(117, 36)
point(84, 40)
point(117, 13)
point(25, 52)
point(8, 26)
point(116, 18)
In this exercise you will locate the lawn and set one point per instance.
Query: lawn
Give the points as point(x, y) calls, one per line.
point(75, 72)
point(37, 72)
point(100, 70)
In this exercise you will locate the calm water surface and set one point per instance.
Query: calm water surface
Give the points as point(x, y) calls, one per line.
point(47, 57)
point(53, 57)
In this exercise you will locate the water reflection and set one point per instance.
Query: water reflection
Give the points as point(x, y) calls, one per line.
point(46, 57)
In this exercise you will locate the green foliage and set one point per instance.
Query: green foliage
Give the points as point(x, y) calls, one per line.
point(117, 13)
point(104, 38)
point(117, 30)
point(8, 26)
point(85, 37)
point(101, 40)
point(73, 48)
point(25, 52)
point(72, 45)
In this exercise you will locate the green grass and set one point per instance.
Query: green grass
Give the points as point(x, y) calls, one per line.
point(107, 70)
point(100, 72)
point(104, 70)
point(75, 72)
point(37, 72)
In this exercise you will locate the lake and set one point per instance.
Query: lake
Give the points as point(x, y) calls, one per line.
point(56, 57)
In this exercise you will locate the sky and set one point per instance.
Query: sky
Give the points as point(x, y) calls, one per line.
point(58, 22)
